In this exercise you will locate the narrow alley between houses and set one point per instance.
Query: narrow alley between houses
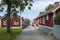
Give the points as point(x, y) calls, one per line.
point(32, 33)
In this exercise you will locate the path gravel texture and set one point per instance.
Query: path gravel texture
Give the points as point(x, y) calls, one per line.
point(32, 33)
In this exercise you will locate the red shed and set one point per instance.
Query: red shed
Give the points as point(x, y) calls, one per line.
point(15, 21)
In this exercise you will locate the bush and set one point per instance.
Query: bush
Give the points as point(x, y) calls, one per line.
point(57, 19)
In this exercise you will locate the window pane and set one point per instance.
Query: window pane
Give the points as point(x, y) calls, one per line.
point(16, 22)
point(43, 20)
point(47, 17)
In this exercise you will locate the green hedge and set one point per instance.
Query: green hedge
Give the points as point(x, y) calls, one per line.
point(57, 19)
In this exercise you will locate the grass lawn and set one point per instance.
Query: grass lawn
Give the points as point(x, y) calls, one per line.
point(5, 36)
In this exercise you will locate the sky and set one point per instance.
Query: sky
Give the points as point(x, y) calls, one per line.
point(38, 6)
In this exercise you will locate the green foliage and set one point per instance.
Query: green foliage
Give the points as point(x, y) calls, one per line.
point(5, 36)
point(57, 19)
point(1, 8)
point(48, 7)
point(14, 12)
point(22, 4)
point(27, 22)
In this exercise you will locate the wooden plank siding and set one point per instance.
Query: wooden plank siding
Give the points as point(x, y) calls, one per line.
point(12, 21)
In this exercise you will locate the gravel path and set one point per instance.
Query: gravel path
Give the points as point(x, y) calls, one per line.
point(33, 34)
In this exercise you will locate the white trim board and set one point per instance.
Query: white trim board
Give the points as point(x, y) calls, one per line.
point(56, 9)
point(0, 22)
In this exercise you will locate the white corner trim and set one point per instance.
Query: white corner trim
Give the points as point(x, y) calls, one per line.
point(21, 22)
point(0, 22)
point(54, 14)
point(47, 17)
point(56, 9)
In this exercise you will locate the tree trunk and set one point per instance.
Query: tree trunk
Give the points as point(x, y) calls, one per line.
point(8, 17)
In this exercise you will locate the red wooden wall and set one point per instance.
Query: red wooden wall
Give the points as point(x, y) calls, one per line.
point(12, 21)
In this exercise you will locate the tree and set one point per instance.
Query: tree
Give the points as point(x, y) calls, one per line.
point(13, 4)
point(27, 22)
point(48, 7)
point(57, 19)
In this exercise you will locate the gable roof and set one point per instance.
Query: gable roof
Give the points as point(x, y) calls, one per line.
point(56, 9)
point(6, 15)
point(53, 9)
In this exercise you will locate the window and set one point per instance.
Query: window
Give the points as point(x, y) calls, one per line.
point(43, 20)
point(16, 22)
point(40, 20)
point(5, 22)
point(47, 17)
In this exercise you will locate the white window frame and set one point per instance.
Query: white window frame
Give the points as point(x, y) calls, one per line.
point(0, 22)
point(47, 17)
point(16, 23)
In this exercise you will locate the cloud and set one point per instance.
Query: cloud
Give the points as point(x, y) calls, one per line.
point(40, 5)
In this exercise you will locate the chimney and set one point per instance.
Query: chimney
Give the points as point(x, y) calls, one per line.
point(56, 4)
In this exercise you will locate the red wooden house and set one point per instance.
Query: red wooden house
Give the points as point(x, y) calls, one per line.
point(35, 23)
point(47, 18)
point(15, 21)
